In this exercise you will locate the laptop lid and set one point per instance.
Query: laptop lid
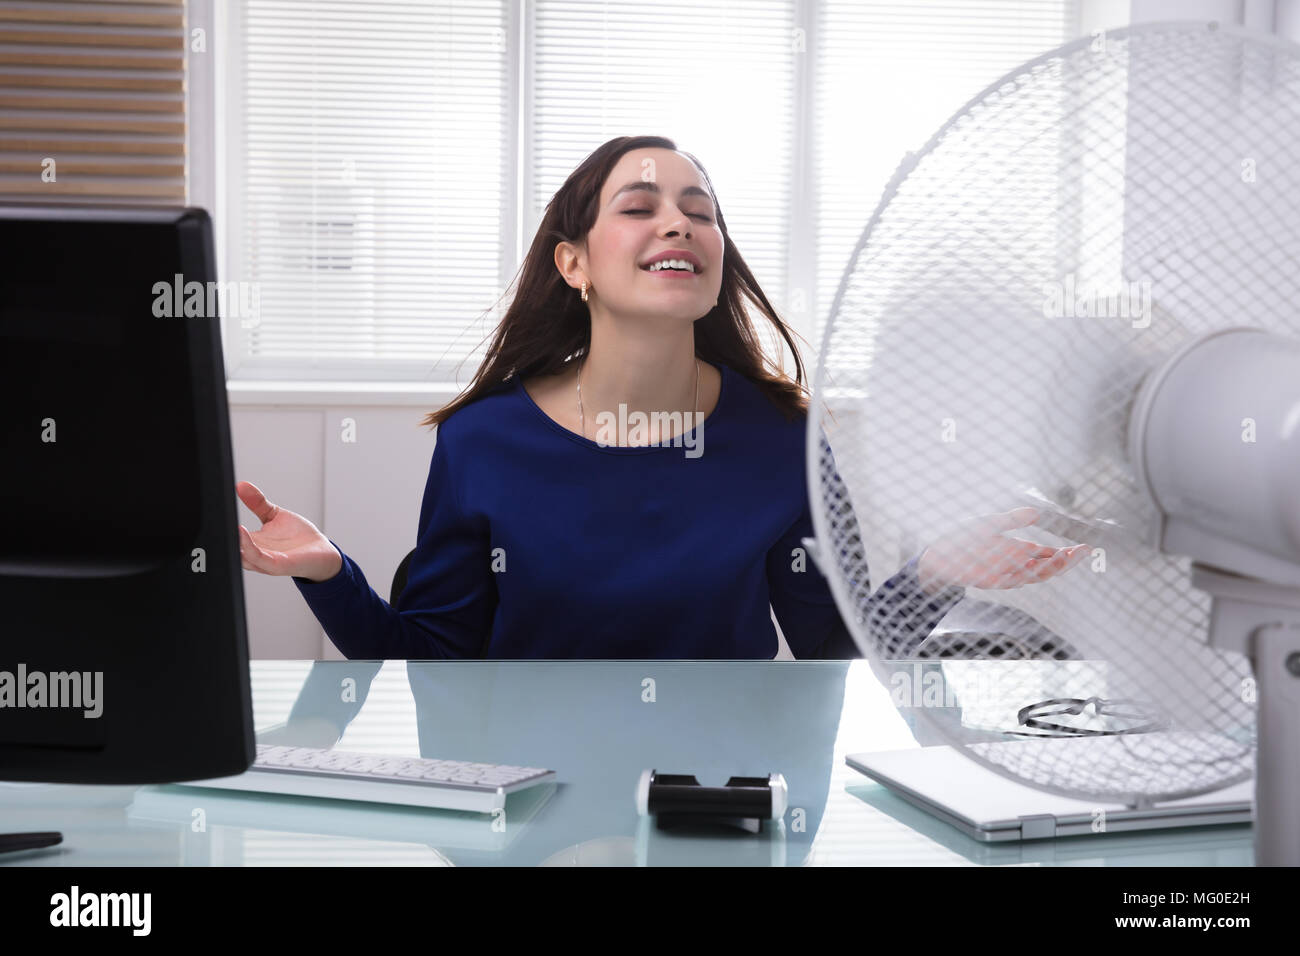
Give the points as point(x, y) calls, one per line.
point(988, 806)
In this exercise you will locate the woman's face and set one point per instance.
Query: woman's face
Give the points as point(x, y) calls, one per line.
point(654, 201)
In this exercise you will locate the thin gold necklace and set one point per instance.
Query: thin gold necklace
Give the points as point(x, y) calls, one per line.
point(583, 418)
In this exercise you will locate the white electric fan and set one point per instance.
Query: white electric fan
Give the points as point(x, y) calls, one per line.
point(1083, 294)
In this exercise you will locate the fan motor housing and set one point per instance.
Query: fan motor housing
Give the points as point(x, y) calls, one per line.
point(1215, 439)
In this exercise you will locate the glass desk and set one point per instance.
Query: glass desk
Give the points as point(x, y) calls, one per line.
point(598, 724)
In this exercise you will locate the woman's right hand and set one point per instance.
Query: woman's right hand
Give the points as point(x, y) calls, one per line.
point(287, 544)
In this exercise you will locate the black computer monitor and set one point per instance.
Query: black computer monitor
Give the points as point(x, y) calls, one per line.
point(123, 643)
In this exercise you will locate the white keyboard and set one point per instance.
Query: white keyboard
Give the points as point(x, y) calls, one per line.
point(410, 781)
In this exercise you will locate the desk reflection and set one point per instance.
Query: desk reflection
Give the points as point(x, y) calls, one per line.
point(599, 725)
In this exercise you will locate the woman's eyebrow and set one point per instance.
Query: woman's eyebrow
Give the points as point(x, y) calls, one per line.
point(654, 188)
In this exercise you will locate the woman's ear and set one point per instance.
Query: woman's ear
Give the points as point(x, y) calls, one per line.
point(571, 260)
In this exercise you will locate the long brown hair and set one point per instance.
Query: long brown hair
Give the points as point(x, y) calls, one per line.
point(548, 324)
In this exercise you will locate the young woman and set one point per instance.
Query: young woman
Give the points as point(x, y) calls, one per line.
point(624, 477)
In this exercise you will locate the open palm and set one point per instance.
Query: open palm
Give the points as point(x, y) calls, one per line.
point(286, 544)
point(980, 555)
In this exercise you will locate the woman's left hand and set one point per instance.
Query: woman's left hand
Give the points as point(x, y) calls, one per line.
point(979, 555)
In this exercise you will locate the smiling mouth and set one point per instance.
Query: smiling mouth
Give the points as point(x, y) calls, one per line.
point(670, 271)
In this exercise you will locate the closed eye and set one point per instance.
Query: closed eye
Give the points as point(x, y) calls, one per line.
point(633, 212)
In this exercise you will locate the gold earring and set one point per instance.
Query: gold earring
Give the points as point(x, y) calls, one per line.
point(584, 290)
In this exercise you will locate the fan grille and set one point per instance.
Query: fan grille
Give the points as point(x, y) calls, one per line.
point(1060, 237)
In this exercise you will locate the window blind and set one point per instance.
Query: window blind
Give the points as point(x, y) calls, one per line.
point(92, 102)
point(373, 168)
point(718, 78)
point(371, 183)
point(888, 75)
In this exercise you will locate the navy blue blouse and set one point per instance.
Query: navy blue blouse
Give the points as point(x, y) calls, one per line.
point(536, 542)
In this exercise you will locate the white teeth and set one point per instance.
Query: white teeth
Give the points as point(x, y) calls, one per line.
point(672, 264)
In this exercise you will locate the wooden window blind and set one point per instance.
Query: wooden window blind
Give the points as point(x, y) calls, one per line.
point(92, 102)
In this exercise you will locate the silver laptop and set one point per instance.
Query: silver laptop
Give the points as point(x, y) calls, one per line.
point(990, 807)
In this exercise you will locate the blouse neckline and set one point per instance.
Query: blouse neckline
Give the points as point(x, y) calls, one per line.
point(676, 442)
